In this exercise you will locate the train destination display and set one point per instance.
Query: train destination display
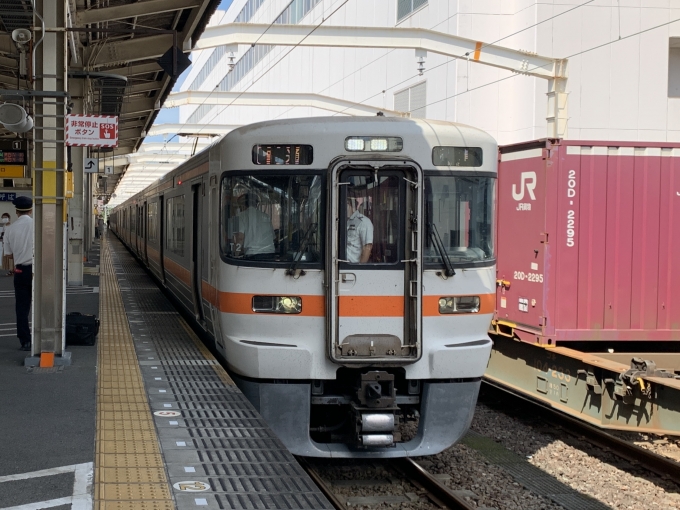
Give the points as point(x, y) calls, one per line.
point(284, 154)
point(13, 157)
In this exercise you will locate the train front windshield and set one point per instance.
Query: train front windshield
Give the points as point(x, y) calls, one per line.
point(459, 213)
point(272, 218)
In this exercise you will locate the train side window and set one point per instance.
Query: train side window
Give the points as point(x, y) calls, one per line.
point(152, 219)
point(175, 225)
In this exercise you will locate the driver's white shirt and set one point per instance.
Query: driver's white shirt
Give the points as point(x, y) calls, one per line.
point(18, 240)
point(359, 234)
point(258, 233)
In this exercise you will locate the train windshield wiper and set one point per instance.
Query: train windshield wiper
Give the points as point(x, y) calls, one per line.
point(437, 241)
point(301, 249)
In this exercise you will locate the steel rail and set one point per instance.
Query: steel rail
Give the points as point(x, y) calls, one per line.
point(642, 457)
point(443, 496)
point(414, 473)
point(321, 484)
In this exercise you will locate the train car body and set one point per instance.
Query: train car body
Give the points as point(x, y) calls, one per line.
point(345, 269)
point(593, 261)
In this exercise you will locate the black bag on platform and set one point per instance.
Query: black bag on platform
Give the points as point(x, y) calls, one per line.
point(81, 329)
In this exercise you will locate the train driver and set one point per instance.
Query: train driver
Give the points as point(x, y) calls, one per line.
point(359, 232)
point(253, 231)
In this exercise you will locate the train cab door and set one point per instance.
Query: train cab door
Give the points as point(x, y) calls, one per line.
point(375, 296)
point(195, 263)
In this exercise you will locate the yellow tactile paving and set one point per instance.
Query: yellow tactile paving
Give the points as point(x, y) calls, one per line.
point(129, 472)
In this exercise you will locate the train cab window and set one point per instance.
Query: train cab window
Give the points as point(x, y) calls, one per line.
point(272, 218)
point(459, 213)
point(175, 225)
point(370, 231)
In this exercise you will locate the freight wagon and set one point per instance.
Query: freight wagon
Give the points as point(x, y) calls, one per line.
point(588, 245)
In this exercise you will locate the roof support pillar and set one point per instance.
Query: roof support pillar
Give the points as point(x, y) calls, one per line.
point(49, 164)
point(76, 246)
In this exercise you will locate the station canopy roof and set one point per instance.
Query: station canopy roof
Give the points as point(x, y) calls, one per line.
point(126, 53)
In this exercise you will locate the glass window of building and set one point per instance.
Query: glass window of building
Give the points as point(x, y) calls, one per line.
point(406, 7)
point(413, 100)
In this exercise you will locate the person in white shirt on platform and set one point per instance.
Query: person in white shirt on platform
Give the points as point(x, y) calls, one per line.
point(253, 231)
point(7, 264)
point(18, 242)
point(359, 234)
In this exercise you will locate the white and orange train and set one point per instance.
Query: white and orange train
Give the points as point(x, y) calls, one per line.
point(343, 267)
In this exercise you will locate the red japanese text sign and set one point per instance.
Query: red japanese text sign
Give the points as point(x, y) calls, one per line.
point(92, 130)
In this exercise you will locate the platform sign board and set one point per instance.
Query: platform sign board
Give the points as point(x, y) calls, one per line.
point(90, 165)
point(92, 130)
point(11, 171)
point(13, 152)
point(7, 197)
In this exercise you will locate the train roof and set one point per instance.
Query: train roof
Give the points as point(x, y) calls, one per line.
point(419, 137)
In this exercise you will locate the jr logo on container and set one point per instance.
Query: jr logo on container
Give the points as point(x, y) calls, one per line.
point(528, 182)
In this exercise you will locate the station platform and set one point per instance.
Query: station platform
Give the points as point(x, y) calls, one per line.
point(147, 419)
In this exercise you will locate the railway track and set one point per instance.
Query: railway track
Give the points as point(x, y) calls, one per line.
point(424, 486)
point(636, 455)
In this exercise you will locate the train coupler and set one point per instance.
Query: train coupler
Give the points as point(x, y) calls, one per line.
point(639, 369)
point(375, 413)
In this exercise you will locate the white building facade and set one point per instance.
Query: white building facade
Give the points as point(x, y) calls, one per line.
point(623, 66)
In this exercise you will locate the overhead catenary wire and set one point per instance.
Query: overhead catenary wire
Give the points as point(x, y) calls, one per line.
point(449, 60)
point(324, 19)
point(223, 108)
point(567, 57)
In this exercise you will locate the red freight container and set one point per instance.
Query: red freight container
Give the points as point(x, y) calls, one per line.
point(589, 240)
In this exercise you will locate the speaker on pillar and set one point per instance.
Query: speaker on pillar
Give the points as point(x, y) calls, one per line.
point(166, 62)
point(15, 118)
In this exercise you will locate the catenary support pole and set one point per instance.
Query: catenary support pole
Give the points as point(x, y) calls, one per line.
point(49, 166)
point(75, 226)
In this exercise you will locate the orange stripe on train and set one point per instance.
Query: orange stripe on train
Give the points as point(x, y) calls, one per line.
point(487, 304)
point(371, 306)
point(349, 306)
point(177, 270)
point(240, 302)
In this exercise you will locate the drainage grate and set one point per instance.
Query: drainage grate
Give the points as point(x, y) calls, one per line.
point(530, 476)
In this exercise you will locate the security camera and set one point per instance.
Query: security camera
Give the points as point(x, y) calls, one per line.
point(21, 35)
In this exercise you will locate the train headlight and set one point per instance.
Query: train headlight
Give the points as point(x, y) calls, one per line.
point(373, 144)
point(277, 304)
point(459, 304)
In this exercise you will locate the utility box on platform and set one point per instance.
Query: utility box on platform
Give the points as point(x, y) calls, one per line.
point(589, 241)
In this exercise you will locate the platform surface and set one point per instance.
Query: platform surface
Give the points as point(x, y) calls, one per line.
point(147, 419)
point(47, 418)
